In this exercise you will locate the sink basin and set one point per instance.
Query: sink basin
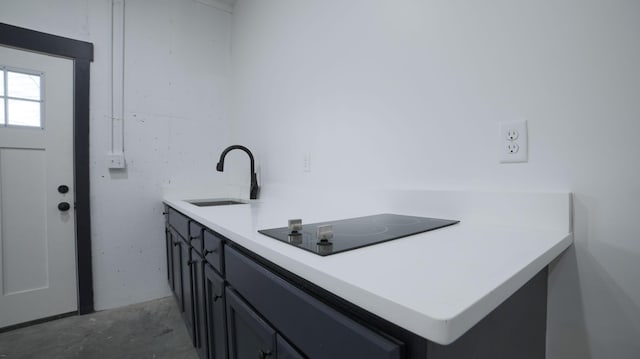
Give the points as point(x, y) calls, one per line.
point(214, 202)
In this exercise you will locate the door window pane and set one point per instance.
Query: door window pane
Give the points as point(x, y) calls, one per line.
point(1, 82)
point(21, 98)
point(23, 113)
point(23, 85)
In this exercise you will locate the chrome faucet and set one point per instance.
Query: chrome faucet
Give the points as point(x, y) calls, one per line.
point(253, 192)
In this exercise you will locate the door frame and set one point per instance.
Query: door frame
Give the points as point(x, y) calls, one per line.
point(81, 53)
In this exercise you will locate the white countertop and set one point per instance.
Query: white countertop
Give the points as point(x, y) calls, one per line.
point(436, 284)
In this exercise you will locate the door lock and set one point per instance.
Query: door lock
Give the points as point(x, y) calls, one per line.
point(64, 206)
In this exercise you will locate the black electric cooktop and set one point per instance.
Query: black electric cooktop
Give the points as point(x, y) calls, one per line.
point(353, 233)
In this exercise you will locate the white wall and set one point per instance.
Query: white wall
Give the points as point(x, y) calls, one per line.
point(176, 124)
point(410, 93)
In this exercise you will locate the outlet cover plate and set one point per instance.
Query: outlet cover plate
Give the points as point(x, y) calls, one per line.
point(514, 142)
point(116, 161)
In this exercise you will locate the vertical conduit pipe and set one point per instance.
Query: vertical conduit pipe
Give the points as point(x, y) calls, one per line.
point(116, 156)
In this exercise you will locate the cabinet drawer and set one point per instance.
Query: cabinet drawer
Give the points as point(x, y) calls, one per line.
point(179, 222)
point(318, 330)
point(195, 236)
point(213, 250)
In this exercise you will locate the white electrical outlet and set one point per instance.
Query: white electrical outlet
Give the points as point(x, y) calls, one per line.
point(512, 135)
point(513, 148)
point(514, 142)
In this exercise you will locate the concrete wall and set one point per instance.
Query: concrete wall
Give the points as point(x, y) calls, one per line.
point(410, 93)
point(176, 124)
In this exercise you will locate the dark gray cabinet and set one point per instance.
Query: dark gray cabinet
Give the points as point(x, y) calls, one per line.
point(285, 350)
point(197, 265)
point(215, 319)
point(188, 289)
point(213, 252)
point(175, 249)
point(183, 282)
point(220, 318)
point(250, 337)
point(195, 236)
point(169, 253)
point(236, 304)
point(194, 277)
point(179, 222)
point(318, 330)
point(199, 303)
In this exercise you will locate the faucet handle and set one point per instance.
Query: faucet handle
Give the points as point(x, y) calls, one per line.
point(295, 225)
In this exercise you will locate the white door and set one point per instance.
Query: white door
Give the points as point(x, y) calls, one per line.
point(37, 239)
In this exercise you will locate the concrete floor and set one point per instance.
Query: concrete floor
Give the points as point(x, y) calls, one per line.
point(153, 330)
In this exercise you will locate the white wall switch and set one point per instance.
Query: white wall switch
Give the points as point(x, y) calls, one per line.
point(514, 142)
point(116, 161)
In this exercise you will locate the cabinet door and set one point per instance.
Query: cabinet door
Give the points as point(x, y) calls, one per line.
point(286, 351)
point(169, 250)
point(187, 289)
point(250, 337)
point(168, 246)
point(200, 331)
point(176, 268)
point(216, 320)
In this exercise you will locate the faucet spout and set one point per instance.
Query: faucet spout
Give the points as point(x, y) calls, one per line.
point(253, 191)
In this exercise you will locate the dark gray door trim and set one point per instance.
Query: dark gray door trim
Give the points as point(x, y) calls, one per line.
point(82, 55)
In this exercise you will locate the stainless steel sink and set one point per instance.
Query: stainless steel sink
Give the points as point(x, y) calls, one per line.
point(214, 202)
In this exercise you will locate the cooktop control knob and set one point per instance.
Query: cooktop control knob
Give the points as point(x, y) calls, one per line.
point(295, 225)
point(324, 249)
point(325, 234)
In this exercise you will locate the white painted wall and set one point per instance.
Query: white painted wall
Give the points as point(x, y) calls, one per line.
point(410, 93)
point(176, 124)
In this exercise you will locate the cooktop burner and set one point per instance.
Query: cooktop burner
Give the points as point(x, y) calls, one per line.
point(333, 237)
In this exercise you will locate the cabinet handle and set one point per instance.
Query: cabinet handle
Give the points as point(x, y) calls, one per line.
point(175, 244)
point(262, 354)
point(216, 297)
point(190, 262)
point(165, 213)
point(206, 251)
point(193, 237)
